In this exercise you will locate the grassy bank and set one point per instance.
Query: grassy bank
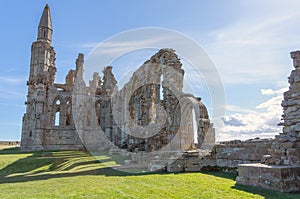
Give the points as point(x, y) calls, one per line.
point(73, 174)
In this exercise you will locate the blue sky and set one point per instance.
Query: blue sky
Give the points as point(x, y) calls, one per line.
point(248, 41)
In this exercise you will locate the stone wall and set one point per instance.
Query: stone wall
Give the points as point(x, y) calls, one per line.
point(61, 140)
point(225, 156)
point(280, 167)
point(284, 178)
point(149, 113)
point(230, 154)
point(9, 143)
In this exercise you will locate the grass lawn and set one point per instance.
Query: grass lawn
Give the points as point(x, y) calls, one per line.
point(74, 174)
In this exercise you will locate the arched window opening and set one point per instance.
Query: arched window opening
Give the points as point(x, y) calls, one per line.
point(88, 119)
point(98, 114)
point(161, 94)
point(57, 119)
point(57, 113)
point(68, 113)
point(88, 113)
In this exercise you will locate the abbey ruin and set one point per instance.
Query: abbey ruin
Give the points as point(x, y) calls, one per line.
point(151, 113)
point(71, 115)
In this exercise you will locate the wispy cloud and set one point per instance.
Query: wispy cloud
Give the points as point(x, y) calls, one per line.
point(256, 48)
point(76, 45)
point(89, 45)
point(273, 92)
point(12, 80)
point(21, 105)
point(10, 124)
point(237, 109)
point(8, 94)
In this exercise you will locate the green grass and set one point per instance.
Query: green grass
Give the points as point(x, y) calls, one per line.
point(74, 174)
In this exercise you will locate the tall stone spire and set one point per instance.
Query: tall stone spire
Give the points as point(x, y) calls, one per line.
point(42, 64)
point(45, 26)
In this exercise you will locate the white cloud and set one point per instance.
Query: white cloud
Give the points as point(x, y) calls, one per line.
point(273, 92)
point(12, 80)
point(12, 93)
point(259, 123)
point(238, 109)
point(233, 120)
point(89, 45)
point(255, 50)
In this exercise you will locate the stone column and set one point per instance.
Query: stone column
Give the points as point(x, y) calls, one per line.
point(280, 169)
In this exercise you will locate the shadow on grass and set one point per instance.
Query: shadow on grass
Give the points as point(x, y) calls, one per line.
point(102, 171)
point(229, 176)
point(268, 194)
point(12, 150)
point(56, 164)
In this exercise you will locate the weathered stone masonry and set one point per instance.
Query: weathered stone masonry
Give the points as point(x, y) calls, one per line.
point(267, 163)
point(279, 169)
point(132, 118)
point(72, 115)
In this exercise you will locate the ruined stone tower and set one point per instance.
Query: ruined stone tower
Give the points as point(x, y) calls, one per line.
point(41, 77)
point(47, 117)
point(77, 116)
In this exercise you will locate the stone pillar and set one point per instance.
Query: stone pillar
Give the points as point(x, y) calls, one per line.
point(286, 148)
point(280, 169)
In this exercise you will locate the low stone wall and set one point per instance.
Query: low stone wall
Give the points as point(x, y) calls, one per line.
point(57, 139)
point(280, 168)
point(283, 178)
point(230, 154)
point(193, 161)
point(224, 156)
point(9, 143)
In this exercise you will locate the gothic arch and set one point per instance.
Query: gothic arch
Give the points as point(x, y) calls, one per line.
point(68, 112)
point(57, 112)
point(98, 111)
point(189, 117)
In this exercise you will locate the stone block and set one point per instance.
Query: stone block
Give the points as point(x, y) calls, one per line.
point(288, 144)
point(254, 181)
point(280, 178)
point(193, 168)
point(255, 157)
point(287, 174)
point(243, 171)
point(232, 163)
point(297, 174)
point(222, 162)
point(293, 152)
point(290, 109)
point(254, 172)
point(175, 168)
point(296, 127)
point(297, 143)
point(191, 163)
point(242, 180)
point(269, 174)
point(295, 88)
